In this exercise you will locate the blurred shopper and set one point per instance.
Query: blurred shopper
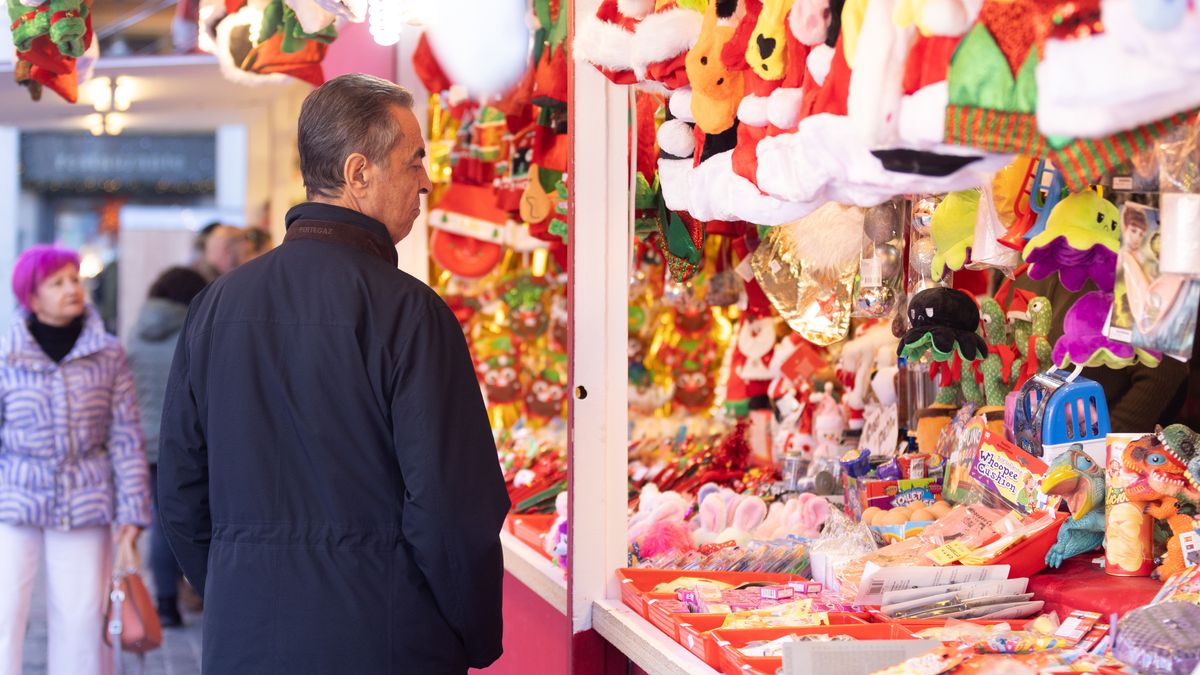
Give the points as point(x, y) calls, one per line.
point(219, 247)
point(71, 464)
point(327, 475)
point(255, 242)
point(151, 346)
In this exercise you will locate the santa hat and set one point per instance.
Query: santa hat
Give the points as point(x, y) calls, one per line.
point(629, 41)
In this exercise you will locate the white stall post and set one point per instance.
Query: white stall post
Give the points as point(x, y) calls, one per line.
point(598, 295)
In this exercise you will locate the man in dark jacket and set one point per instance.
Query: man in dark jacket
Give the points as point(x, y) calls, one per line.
point(327, 475)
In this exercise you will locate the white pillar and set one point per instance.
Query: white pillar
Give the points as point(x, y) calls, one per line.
point(10, 214)
point(232, 169)
point(599, 289)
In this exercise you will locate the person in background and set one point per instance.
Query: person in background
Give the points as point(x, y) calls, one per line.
point(72, 464)
point(255, 242)
point(220, 250)
point(327, 475)
point(151, 346)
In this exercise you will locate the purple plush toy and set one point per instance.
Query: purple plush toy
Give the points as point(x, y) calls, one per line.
point(1080, 243)
point(1083, 340)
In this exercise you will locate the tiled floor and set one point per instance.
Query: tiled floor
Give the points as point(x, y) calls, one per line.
point(179, 655)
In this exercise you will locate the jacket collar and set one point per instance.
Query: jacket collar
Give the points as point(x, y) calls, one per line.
point(336, 214)
point(25, 349)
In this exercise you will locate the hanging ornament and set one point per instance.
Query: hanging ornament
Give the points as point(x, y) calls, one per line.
point(922, 215)
point(807, 269)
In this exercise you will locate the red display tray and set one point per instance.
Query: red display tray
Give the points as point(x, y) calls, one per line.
point(532, 529)
point(733, 662)
point(637, 583)
point(1029, 557)
point(695, 632)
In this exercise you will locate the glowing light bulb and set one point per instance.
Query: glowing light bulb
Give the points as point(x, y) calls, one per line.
point(95, 124)
point(102, 95)
point(122, 96)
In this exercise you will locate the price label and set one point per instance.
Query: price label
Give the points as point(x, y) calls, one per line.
point(871, 272)
point(952, 552)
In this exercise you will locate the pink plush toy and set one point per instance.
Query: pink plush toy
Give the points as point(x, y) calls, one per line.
point(712, 518)
point(802, 516)
point(747, 517)
point(654, 508)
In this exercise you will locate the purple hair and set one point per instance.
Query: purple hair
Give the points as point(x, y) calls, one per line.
point(35, 265)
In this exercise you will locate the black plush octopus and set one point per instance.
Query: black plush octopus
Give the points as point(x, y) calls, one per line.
point(944, 321)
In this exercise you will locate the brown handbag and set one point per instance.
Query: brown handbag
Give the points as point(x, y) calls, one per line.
point(132, 621)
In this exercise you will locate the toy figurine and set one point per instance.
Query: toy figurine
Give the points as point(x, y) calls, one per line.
point(1167, 466)
point(1080, 481)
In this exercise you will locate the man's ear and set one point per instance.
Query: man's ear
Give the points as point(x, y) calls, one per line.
point(356, 171)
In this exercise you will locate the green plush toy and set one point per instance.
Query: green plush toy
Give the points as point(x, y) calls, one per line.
point(68, 26)
point(953, 230)
point(27, 24)
point(1032, 336)
point(997, 376)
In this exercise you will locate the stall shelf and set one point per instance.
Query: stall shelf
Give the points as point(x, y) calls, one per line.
point(535, 571)
point(648, 647)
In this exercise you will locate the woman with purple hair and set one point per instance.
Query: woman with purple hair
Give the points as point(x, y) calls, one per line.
point(72, 464)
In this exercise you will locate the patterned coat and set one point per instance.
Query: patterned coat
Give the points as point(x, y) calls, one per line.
point(71, 451)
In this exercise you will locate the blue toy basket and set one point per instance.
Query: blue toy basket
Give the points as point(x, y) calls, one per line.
point(1057, 409)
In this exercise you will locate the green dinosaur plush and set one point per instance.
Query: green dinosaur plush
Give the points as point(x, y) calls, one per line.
point(1080, 481)
point(1033, 341)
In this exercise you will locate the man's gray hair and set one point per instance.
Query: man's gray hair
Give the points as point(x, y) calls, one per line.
point(348, 114)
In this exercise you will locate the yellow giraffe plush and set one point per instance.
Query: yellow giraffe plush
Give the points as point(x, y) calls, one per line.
point(767, 50)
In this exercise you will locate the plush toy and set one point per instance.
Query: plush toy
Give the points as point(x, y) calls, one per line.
point(659, 527)
point(953, 231)
point(555, 542)
point(747, 515)
point(712, 517)
point(1083, 340)
point(802, 516)
point(1003, 357)
point(859, 357)
point(828, 424)
point(717, 89)
point(1080, 481)
point(1167, 466)
point(944, 321)
point(1030, 326)
point(1080, 242)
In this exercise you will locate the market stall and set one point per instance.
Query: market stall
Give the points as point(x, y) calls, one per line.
point(878, 308)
